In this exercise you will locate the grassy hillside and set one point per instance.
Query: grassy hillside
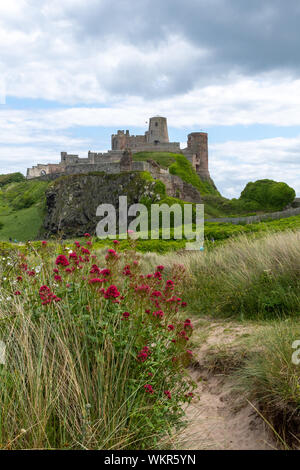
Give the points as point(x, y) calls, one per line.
point(180, 166)
point(22, 206)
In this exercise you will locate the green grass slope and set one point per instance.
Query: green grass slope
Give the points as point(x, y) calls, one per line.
point(180, 166)
point(22, 206)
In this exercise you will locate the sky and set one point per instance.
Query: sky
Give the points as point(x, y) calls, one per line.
point(72, 72)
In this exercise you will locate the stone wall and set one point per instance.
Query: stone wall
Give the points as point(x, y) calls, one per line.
point(257, 218)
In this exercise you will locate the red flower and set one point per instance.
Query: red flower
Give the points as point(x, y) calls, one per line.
point(126, 314)
point(30, 273)
point(183, 304)
point(149, 388)
point(105, 272)
point(96, 280)
point(116, 242)
point(143, 354)
point(156, 293)
point(85, 251)
point(111, 293)
point(19, 278)
point(73, 255)
point(87, 235)
point(62, 260)
point(44, 243)
point(168, 394)
point(170, 327)
point(143, 289)
point(17, 292)
point(170, 283)
point(77, 244)
point(57, 278)
point(160, 268)
point(158, 313)
point(157, 275)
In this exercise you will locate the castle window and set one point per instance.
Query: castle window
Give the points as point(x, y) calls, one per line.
point(156, 124)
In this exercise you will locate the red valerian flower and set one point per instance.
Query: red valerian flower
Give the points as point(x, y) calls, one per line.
point(126, 271)
point(168, 394)
point(156, 293)
point(95, 269)
point(111, 293)
point(57, 278)
point(143, 289)
point(189, 352)
point(47, 296)
point(126, 314)
point(158, 313)
point(30, 273)
point(149, 388)
point(44, 243)
point(68, 270)
point(105, 272)
point(19, 278)
point(157, 275)
point(183, 304)
point(87, 235)
point(89, 243)
point(96, 280)
point(183, 335)
point(85, 251)
point(62, 260)
point(160, 268)
point(188, 324)
point(17, 292)
point(116, 242)
point(170, 283)
point(73, 255)
point(143, 354)
point(77, 244)
point(170, 327)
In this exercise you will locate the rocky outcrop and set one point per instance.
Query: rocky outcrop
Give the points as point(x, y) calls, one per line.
point(72, 200)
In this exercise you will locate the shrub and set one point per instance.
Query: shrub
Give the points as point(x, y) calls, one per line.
point(97, 350)
point(269, 194)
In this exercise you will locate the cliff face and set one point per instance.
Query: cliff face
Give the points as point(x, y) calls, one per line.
point(72, 201)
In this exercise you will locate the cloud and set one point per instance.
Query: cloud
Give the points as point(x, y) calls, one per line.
point(233, 164)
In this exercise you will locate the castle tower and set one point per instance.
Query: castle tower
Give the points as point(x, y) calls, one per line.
point(197, 145)
point(158, 130)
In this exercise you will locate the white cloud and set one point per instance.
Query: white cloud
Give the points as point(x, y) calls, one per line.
point(233, 164)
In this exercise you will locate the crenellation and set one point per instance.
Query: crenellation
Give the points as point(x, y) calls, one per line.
point(155, 139)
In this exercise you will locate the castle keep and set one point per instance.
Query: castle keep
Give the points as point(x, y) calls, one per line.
point(118, 159)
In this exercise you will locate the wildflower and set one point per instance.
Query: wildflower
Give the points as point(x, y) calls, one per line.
point(142, 289)
point(183, 304)
point(168, 394)
point(143, 354)
point(87, 235)
point(170, 283)
point(62, 260)
point(19, 278)
point(157, 275)
point(158, 313)
point(77, 244)
point(57, 278)
point(160, 268)
point(170, 327)
point(188, 324)
point(44, 243)
point(17, 292)
point(156, 293)
point(126, 314)
point(68, 270)
point(89, 243)
point(126, 271)
point(73, 255)
point(95, 280)
point(149, 388)
point(31, 273)
point(85, 251)
point(111, 292)
point(116, 242)
point(105, 272)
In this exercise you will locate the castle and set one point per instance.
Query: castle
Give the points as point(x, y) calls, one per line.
point(123, 145)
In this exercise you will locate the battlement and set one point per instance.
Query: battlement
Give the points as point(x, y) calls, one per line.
point(155, 139)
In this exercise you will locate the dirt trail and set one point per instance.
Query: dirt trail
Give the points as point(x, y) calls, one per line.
point(219, 419)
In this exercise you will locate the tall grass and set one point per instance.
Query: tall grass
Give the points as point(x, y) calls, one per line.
point(270, 378)
point(246, 278)
point(74, 375)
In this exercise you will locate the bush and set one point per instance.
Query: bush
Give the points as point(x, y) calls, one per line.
point(269, 194)
point(97, 350)
point(11, 178)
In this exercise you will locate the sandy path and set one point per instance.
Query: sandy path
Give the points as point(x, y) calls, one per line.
point(216, 420)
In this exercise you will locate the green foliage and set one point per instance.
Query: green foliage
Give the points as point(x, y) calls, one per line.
point(22, 206)
point(93, 361)
point(178, 165)
point(11, 178)
point(269, 194)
